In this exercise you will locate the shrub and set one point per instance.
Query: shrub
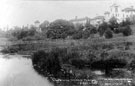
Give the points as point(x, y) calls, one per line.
point(10, 49)
point(132, 65)
point(77, 35)
point(92, 58)
point(108, 34)
point(119, 74)
point(108, 46)
point(125, 23)
point(23, 32)
point(127, 31)
point(116, 30)
point(108, 64)
point(78, 63)
point(102, 28)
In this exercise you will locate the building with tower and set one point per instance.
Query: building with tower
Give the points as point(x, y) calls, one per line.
point(114, 11)
point(119, 13)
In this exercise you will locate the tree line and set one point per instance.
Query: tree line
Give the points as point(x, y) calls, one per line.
point(63, 29)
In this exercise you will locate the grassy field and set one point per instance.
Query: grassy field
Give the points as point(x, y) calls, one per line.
point(27, 47)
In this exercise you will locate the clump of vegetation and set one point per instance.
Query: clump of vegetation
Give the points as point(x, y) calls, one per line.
point(108, 34)
point(120, 73)
point(61, 60)
point(67, 60)
point(60, 29)
point(21, 33)
point(127, 31)
point(132, 65)
point(45, 63)
point(102, 28)
point(10, 50)
point(113, 24)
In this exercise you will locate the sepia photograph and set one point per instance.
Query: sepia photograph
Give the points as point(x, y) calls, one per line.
point(67, 43)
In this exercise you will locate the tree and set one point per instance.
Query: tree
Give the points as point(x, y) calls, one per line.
point(60, 29)
point(125, 22)
point(113, 24)
point(102, 28)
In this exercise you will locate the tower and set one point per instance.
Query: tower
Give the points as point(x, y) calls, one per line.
point(115, 11)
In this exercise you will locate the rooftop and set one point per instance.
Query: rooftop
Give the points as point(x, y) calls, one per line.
point(107, 12)
point(80, 19)
point(114, 5)
point(128, 9)
point(36, 21)
point(98, 17)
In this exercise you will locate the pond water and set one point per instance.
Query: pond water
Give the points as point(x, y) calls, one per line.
point(18, 71)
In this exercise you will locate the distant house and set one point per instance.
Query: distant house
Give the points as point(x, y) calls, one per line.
point(107, 16)
point(119, 13)
point(128, 12)
point(114, 11)
point(82, 21)
point(97, 20)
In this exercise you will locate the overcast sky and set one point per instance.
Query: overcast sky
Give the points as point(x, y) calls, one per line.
point(23, 12)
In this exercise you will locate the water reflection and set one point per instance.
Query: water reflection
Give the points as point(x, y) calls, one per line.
point(17, 71)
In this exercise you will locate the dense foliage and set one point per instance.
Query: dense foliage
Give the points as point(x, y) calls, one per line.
point(127, 31)
point(76, 59)
point(113, 24)
point(108, 34)
point(60, 29)
point(102, 28)
point(24, 32)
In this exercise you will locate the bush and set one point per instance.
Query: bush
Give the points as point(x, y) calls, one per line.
point(119, 74)
point(102, 28)
point(78, 63)
point(77, 35)
point(108, 64)
point(108, 34)
point(125, 23)
point(117, 30)
point(10, 50)
point(23, 32)
point(132, 65)
point(127, 31)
